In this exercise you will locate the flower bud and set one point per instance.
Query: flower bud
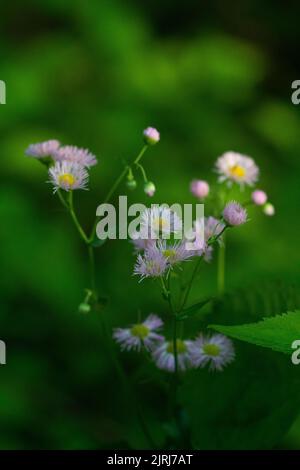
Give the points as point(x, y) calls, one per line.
point(199, 188)
point(131, 184)
point(151, 136)
point(234, 214)
point(84, 308)
point(149, 188)
point(259, 197)
point(269, 209)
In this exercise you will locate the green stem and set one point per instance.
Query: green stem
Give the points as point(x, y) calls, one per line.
point(62, 199)
point(115, 186)
point(92, 269)
point(175, 356)
point(221, 269)
point(142, 170)
point(75, 220)
point(190, 284)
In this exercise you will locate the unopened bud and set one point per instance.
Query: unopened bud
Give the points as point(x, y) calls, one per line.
point(84, 308)
point(149, 188)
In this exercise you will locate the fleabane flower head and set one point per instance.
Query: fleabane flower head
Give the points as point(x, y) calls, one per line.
point(174, 252)
point(74, 154)
point(152, 264)
point(140, 334)
point(234, 167)
point(68, 176)
point(199, 188)
point(159, 221)
point(234, 214)
point(43, 149)
point(216, 350)
point(151, 136)
point(164, 359)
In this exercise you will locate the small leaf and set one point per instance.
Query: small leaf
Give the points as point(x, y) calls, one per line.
point(97, 242)
point(193, 309)
point(277, 333)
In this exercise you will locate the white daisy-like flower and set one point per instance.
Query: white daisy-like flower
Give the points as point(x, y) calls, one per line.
point(140, 334)
point(68, 176)
point(174, 252)
point(216, 350)
point(159, 221)
point(164, 359)
point(234, 167)
point(43, 149)
point(152, 264)
point(74, 154)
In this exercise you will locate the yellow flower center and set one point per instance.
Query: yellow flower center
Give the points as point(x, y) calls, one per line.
point(237, 171)
point(169, 253)
point(140, 331)
point(211, 350)
point(161, 223)
point(181, 347)
point(67, 179)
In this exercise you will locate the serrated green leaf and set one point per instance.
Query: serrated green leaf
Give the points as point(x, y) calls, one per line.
point(277, 333)
point(254, 401)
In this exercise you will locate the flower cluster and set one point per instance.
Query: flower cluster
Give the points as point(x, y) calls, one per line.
point(157, 255)
point(68, 164)
point(216, 351)
point(235, 168)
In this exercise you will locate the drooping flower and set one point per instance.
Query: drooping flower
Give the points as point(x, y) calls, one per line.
point(212, 228)
point(74, 154)
point(149, 188)
point(259, 197)
point(140, 334)
point(234, 214)
point(269, 209)
point(164, 358)
point(159, 221)
point(140, 244)
point(237, 168)
point(151, 136)
point(68, 176)
point(152, 264)
point(196, 240)
point(174, 252)
point(216, 350)
point(199, 188)
point(42, 149)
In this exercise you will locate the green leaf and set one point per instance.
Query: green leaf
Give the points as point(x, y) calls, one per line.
point(277, 333)
point(193, 309)
point(254, 401)
point(97, 242)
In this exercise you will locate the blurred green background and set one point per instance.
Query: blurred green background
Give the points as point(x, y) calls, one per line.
point(211, 77)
